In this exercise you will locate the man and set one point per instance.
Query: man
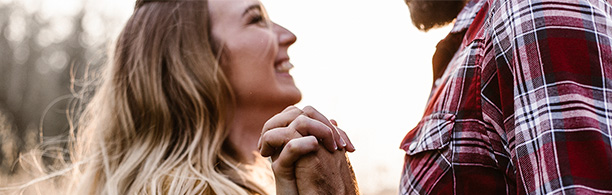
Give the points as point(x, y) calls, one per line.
point(521, 103)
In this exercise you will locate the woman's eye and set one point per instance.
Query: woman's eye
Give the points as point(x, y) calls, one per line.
point(257, 19)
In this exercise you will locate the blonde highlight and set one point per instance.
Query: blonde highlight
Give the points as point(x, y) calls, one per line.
point(158, 121)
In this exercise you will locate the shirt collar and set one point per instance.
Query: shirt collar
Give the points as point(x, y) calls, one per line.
point(467, 15)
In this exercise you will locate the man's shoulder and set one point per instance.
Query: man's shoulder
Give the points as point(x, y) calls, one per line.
point(527, 15)
point(552, 7)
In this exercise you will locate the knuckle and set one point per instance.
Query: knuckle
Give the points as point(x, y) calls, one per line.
point(266, 126)
point(308, 107)
point(302, 122)
point(264, 137)
point(292, 109)
point(290, 146)
point(265, 142)
point(309, 110)
point(313, 143)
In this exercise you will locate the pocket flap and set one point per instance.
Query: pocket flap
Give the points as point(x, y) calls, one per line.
point(432, 133)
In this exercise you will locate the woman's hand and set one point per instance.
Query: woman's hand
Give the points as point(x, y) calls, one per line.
point(293, 134)
point(293, 123)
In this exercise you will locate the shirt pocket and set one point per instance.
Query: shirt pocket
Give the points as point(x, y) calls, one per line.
point(427, 159)
point(432, 133)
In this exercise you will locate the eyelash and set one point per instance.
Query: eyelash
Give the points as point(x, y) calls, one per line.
point(256, 19)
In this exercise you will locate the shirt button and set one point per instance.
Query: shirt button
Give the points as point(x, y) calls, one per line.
point(412, 146)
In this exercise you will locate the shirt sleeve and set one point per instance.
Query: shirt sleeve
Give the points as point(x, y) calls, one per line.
point(558, 99)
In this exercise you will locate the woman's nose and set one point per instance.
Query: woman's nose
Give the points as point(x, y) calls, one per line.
point(285, 37)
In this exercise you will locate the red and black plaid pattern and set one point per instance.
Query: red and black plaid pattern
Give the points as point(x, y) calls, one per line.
point(524, 106)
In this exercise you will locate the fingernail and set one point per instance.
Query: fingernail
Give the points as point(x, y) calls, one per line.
point(342, 142)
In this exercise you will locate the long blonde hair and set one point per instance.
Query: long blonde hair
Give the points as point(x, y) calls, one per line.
point(158, 121)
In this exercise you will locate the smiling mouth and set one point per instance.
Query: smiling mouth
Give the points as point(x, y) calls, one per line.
point(283, 67)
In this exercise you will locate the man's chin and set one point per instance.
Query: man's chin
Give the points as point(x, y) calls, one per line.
point(428, 14)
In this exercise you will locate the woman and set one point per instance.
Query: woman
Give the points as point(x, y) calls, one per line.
point(181, 107)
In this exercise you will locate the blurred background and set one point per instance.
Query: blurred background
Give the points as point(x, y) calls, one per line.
point(360, 62)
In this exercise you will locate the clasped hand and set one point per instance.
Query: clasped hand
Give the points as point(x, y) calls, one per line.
point(308, 153)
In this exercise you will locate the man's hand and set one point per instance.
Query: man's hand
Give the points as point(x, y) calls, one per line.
point(322, 172)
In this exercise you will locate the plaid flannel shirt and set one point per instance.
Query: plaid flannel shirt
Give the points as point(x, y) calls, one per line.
point(524, 106)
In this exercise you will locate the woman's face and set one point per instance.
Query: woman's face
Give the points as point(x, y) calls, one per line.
point(255, 56)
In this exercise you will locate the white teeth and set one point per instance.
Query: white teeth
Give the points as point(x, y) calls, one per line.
point(284, 67)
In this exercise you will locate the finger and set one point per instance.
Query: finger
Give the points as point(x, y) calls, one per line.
point(350, 147)
point(282, 119)
point(292, 107)
point(315, 114)
point(295, 149)
point(308, 126)
point(284, 166)
point(275, 139)
point(333, 122)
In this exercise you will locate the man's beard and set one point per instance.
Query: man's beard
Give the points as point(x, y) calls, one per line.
point(428, 14)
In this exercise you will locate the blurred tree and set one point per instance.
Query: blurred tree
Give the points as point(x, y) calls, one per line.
point(37, 50)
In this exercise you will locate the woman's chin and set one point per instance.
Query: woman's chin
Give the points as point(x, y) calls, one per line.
point(290, 97)
point(295, 96)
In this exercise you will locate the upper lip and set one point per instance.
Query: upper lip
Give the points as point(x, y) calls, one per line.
point(281, 60)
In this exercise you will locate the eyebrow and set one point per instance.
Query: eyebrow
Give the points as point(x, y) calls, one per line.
point(254, 6)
